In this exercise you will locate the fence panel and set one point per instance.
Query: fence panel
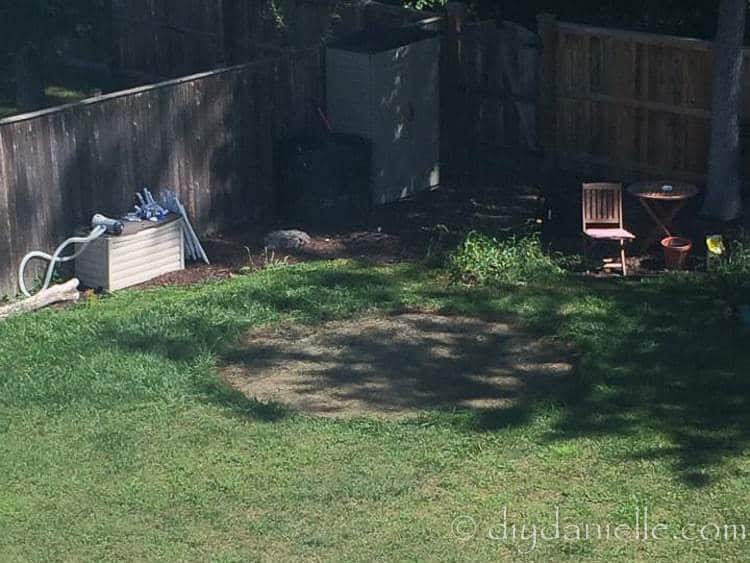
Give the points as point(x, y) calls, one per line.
point(491, 89)
point(157, 39)
point(209, 136)
point(626, 104)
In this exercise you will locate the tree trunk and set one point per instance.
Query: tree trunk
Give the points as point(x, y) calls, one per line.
point(29, 82)
point(723, 194)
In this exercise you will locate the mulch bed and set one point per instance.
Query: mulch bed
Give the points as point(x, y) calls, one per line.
point(409, 230)
point(403, 231)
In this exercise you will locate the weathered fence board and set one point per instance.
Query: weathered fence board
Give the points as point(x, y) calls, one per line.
point(625, 104)
point(211, 137)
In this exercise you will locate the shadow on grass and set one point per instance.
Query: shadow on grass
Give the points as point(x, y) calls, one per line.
point(654, 357)
point(657, 358)
point(209, 323)
point(222, 394)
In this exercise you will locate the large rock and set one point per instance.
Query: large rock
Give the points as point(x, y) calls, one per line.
point(291, 239)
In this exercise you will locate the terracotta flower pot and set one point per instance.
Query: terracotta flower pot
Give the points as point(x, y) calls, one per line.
point(676, 252)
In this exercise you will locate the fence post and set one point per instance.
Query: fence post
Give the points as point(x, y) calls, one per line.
point(547, 86)
point(453, 137)
point(360, 16)
point(456, 12)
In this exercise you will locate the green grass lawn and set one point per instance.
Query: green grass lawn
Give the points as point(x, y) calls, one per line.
point(119, 441)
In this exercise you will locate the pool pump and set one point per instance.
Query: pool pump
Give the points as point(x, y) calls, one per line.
point(111, 226)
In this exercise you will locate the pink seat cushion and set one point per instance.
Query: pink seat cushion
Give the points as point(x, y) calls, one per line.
point(611, 233)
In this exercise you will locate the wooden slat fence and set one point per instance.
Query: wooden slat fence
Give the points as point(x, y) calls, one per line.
point(167, 38)
point(210, 137)
point(627, 105)
point(490, 92)
point(156, 39)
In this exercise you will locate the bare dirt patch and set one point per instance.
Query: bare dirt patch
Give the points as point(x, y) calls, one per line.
point(396, 366)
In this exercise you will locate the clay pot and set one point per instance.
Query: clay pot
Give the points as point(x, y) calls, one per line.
point(676, 252)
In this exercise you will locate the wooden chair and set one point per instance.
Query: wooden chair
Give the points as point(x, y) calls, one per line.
point(602, 217)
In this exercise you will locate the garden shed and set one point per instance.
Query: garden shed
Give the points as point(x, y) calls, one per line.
point(384, 87)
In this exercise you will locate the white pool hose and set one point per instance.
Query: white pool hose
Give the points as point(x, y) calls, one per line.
point(56, 258)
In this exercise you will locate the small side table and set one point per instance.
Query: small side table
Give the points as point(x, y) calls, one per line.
point(662, 204)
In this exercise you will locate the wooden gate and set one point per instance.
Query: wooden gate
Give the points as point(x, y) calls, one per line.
point(496, 83)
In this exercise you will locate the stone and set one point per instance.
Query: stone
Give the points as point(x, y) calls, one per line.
point(287, 240)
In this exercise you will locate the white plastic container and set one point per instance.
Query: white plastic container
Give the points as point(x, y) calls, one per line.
point(116, 262)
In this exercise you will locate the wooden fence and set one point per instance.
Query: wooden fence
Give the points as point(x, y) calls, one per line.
point(209, 136)
point(156, 39)
point(167, 38)
point(627, 105)
point(491, 87)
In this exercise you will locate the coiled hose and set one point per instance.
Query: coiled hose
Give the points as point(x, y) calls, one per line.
point(56, 258)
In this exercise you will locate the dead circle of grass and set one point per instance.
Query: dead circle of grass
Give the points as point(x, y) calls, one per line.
point(395, 366)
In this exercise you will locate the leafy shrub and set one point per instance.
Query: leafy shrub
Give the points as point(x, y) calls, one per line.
point(485, 260)
point(420, 4)
point(736, 262)
point(733, 272)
